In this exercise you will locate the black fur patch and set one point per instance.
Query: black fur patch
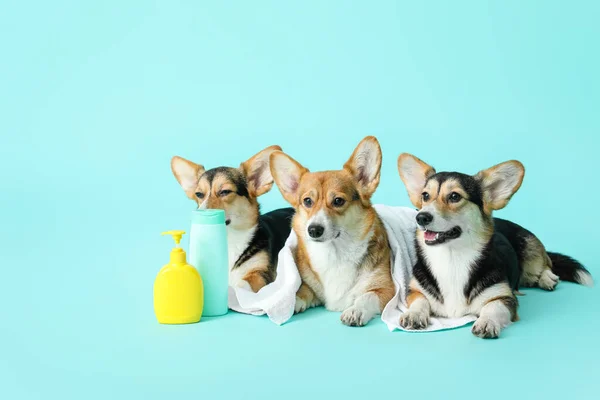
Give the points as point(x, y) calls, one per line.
point(516, 235)
point(273, 230)
point(468, 183)
point(423, 275)
point(567, 268)
point(564, 266)
point(233, 175)
point(372, 255)
point(498, 263)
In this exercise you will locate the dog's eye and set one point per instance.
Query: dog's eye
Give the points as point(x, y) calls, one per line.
point(454, 197)
point(200, 195)
point(223, 193)
point(338, 202)
point(307, 202)
point(425, 196)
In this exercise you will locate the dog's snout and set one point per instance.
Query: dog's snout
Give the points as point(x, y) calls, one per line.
point(424, 218)
point(315, 231)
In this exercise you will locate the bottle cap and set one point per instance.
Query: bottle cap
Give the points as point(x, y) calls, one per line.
point(208, 217)
point(177, 254)
point(176, 235)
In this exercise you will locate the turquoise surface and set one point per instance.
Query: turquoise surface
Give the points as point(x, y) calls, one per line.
point(97, 96)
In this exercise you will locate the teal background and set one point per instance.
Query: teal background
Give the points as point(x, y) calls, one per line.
point(95, 97)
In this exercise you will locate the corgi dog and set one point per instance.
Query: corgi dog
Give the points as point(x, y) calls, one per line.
point(343, 254)
point(254, 240)
point(470, 263)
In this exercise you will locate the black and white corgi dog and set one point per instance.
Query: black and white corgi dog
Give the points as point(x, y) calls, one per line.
point(254, 240)
point(343, 253)
point(470, 263)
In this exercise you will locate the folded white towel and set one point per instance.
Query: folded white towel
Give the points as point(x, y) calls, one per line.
point(277, 299)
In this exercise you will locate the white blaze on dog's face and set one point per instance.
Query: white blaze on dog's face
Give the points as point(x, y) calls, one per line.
point(330, 205)
point(233, 190)
point(455, 207)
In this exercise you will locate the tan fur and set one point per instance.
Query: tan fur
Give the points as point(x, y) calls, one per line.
point(413, 296)
point(378, 259)
point(488, 178)
point(255, 277)
point(448, 187)
point(257, 166)
point(365, 189)
point(537, 266)
point(244, 209)
point(187, 174)
point(408, 162)
point(353, 184)
point(440, 196)
point(365, 219)
point(309, 297)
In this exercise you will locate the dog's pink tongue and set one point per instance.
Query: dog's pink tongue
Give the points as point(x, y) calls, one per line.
point(430, 235)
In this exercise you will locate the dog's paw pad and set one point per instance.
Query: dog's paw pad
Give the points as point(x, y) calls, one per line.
point(548, 280)
point(486, 328)
point(354, 317)
point(300, 306)
point(414, 320)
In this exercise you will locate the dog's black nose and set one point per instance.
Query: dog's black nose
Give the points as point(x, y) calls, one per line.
point(315, 231)
point(424, 218)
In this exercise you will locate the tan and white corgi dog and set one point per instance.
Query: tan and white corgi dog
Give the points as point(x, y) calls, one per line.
point(343, 253)
point(254, 240)
point(470, 263)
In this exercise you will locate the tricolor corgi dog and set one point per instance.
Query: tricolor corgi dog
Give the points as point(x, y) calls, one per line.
point(343, 253)
point(254, 240)
point(470, 263)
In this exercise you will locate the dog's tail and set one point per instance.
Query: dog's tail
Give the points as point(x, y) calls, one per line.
point(569, 269)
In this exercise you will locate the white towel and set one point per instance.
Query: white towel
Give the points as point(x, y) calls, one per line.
point(277, 299)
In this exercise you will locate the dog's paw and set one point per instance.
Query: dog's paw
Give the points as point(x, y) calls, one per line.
point(300, 306)
point(354, 316)
point(548, 280)
point(414, 320)
point(486, 328)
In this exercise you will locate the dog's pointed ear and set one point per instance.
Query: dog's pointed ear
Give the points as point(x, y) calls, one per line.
point(499, 183)
point(365, 165)
point(187, 174)
point(258, 172)
point(414, 173)
point(287, 173)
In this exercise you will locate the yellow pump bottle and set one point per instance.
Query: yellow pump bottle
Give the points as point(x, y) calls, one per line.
point(178, 289)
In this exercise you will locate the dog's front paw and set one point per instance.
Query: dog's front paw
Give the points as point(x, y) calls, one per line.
point(414, 320)
point(354, 316)
point(300, 306)
point(486, 328)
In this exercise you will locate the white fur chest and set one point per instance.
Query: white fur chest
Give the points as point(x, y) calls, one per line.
point(237, 242)
point(337, 265)
point(451, 266)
